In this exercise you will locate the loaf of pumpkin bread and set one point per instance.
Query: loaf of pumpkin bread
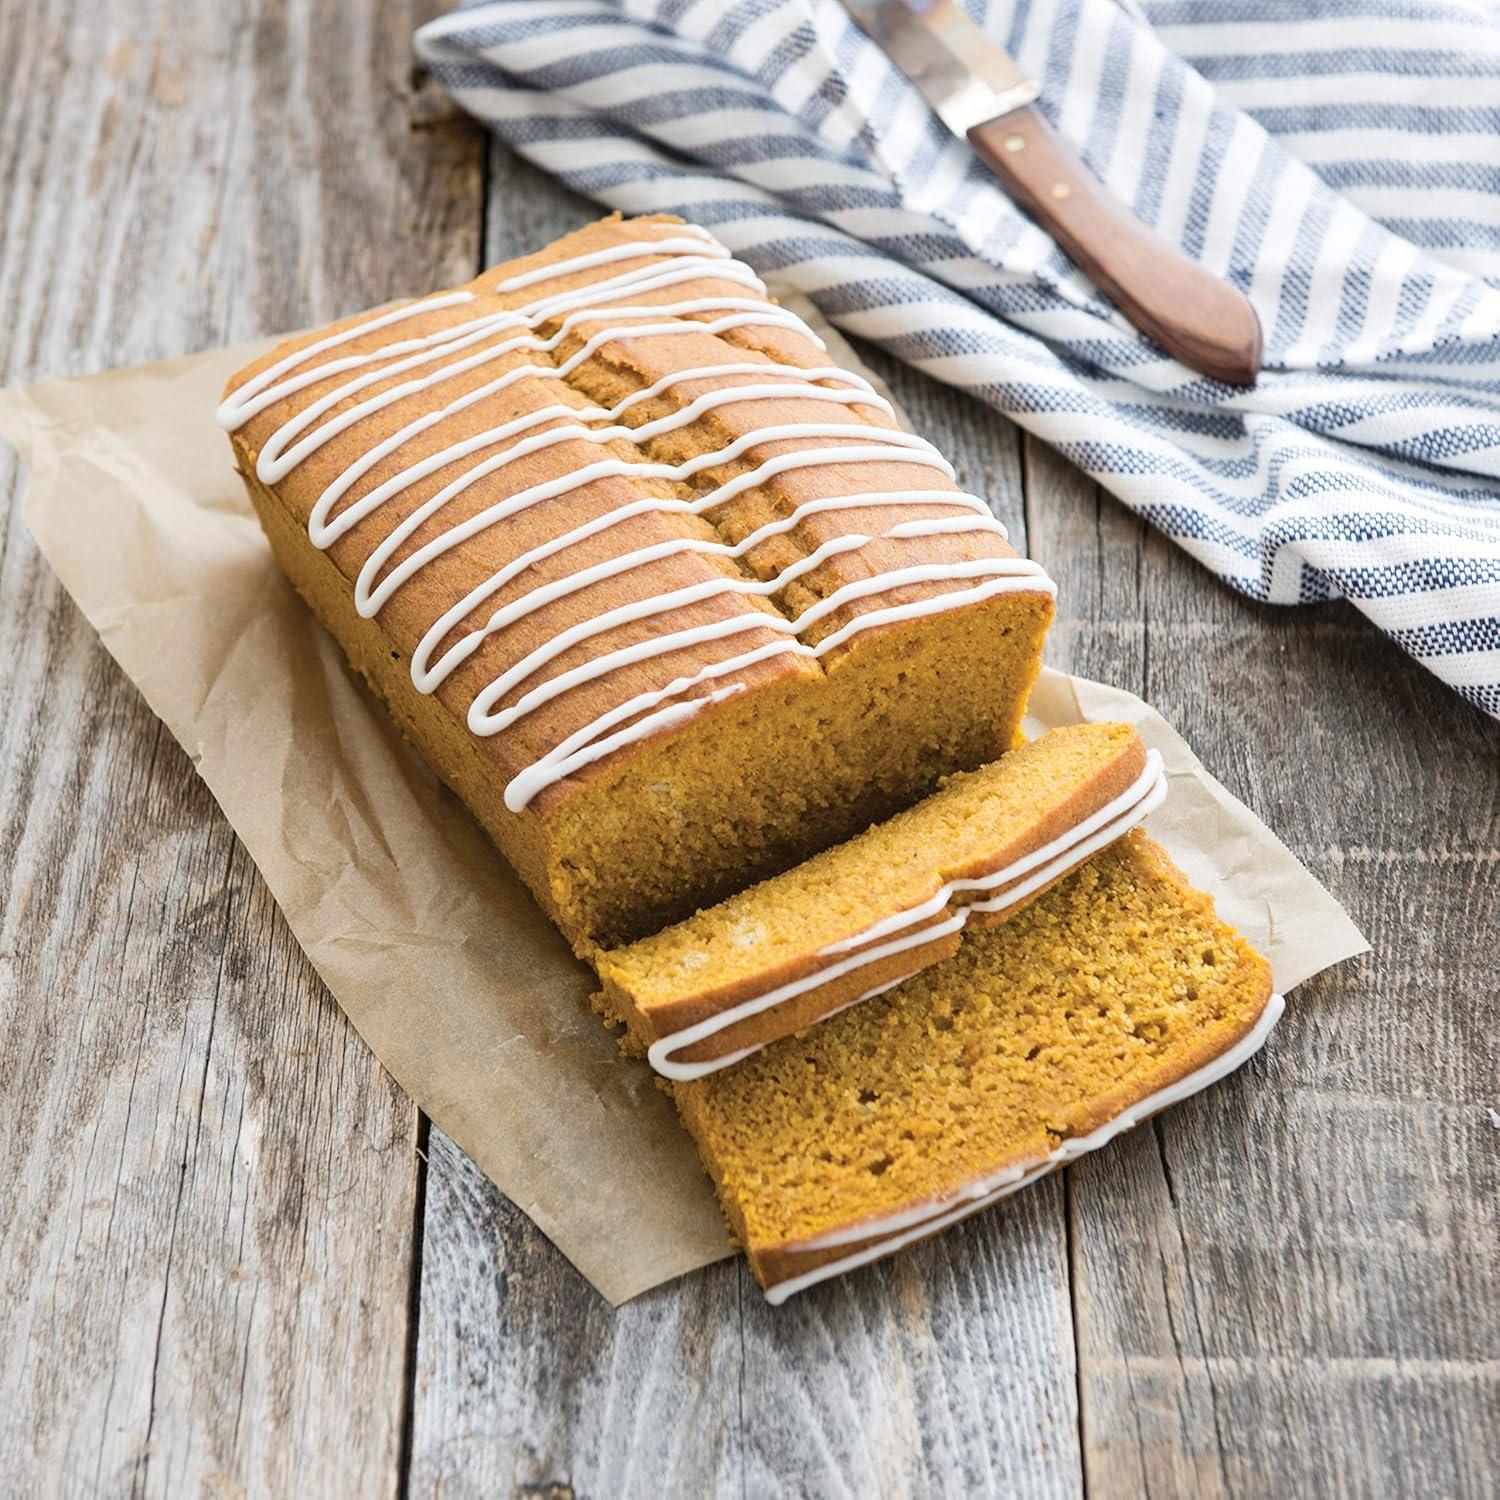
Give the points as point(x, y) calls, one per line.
point(664, 594)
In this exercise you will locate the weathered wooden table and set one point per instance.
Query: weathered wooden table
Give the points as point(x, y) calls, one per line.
point(235, 1261)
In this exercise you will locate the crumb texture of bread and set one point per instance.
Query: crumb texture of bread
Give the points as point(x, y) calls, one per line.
point(786, 930)
point(795, 752)
point(1118, 982)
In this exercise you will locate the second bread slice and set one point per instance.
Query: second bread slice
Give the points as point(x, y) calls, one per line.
point(1117, 994)
point(850, 922)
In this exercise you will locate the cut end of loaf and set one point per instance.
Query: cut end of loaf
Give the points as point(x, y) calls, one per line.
point(761, 784)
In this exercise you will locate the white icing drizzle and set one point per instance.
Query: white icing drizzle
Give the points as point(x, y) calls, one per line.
point(1013, 882)
point(370, 598)
point(429, 360)
point(277, 459)
point(517, 793)
point(482, 721)
point(895, 1231)
point(703, 243)
point(325, 531)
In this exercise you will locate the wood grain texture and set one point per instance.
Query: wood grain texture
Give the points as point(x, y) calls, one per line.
point(945, 1370)
point(206, 1186)
point(1292, 1283)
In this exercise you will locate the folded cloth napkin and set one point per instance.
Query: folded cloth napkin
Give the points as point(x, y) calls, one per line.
point(1338, 161)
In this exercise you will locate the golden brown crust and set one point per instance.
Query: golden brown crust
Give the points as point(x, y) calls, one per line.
point(442, 740)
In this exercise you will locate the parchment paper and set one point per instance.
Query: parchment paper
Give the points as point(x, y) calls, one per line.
point(436, 953)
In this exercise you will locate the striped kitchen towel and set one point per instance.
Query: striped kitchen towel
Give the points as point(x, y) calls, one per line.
point(1339, 160)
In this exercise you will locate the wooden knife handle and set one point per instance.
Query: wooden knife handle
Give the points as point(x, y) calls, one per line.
point(1197, 318)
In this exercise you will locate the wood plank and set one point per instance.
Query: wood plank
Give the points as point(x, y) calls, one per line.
point(950, 1368)
point(529, 1383)
point(207, 1186)
point(1290, 1283)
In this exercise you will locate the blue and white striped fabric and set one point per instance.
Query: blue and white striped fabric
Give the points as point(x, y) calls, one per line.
point(1339, 161)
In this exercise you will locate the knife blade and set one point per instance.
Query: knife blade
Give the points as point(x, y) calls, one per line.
point(982, 94)
point(933, 43)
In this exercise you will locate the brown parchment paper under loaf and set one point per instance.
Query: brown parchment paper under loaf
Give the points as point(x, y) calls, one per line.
point(435, 952)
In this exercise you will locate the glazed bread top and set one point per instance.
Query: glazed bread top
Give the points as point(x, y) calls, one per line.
point(604, 487)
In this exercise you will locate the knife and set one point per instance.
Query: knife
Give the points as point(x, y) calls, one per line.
point(980, 93)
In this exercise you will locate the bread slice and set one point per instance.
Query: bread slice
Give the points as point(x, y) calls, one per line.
point(1113, 995)
point(857, 918)
point(665, 596)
